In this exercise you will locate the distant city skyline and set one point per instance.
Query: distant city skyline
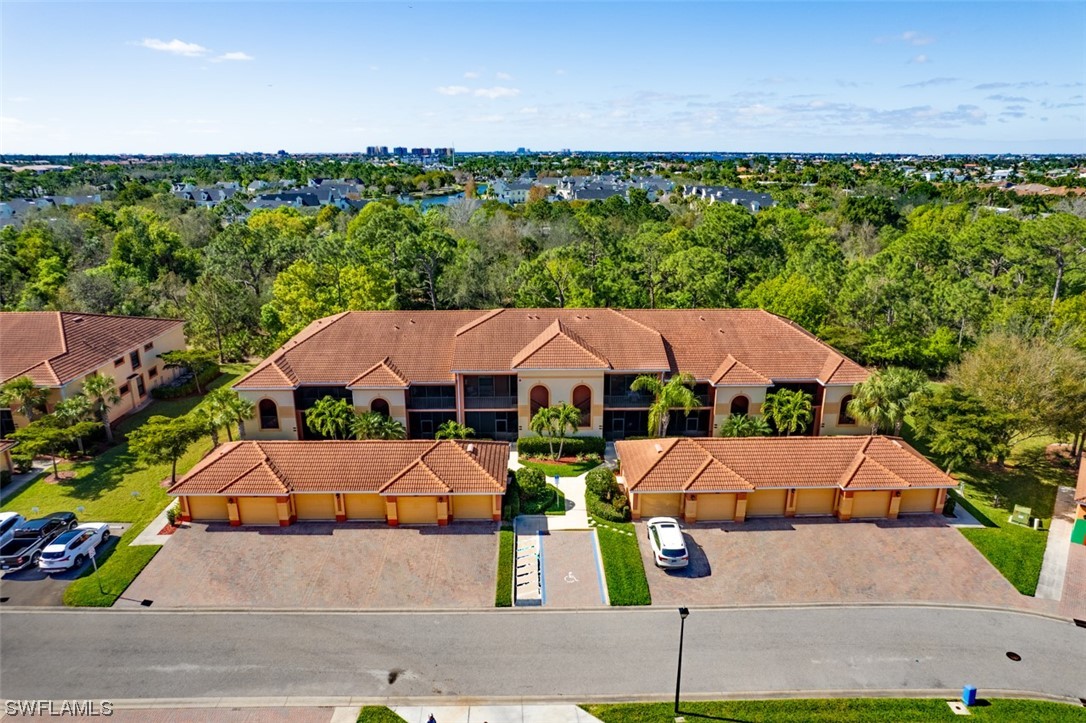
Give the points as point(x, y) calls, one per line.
point(804, 77)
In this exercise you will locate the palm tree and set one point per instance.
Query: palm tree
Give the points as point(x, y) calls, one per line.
point(374, 425)
point(72, 411)
point(565, 417)
point(330, 417)
point(454, 430)
point(790, 410)
point(229, 408)
point(25, 396)
point(102, 393)
point(543, 424)
point(740, 425)
point(884, 398)
point(675, 394)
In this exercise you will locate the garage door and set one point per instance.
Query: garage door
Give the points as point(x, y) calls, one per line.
point(815, 502)
point(766, 503)
point(258, 511)
point(716, 507)
point(208, 509)
point(365, 507)
point(918, 500)
point(660, 505)
point(472, 507)
point(416, 510)
point(315, 507)
point(871, 504)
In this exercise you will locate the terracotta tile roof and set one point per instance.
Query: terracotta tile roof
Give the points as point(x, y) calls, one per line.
point(1080, 489)
point(726, 346)
point(416, 466)
point(559, 347)
point(381, 375)
point(55, 347)
point(727, 465)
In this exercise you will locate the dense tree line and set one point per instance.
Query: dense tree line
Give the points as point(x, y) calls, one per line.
point(903, 275)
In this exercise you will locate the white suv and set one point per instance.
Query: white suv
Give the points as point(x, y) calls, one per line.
point(8, 522)
point(668, 545)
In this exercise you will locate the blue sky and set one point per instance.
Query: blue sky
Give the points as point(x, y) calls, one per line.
point(151, 77)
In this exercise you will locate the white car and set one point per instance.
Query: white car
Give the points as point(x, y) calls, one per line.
point(72, 548)
point(668, 545)
point(9, 521)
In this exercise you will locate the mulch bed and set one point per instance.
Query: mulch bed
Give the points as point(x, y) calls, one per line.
point(52, 479)
point(169, 529)
point(561, 460)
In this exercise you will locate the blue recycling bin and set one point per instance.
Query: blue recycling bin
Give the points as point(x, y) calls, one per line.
point(969, 695)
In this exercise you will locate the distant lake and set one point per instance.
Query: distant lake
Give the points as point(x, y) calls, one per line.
point(438, 200)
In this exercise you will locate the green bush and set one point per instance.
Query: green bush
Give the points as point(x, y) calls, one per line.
point(503, 593)
point(511, 501)
point(601, 482)
point(185, 385)
point(616, 511)
point(532, 483)
point(571, 447)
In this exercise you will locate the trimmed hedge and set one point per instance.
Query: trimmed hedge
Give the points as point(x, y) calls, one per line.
point(604, 498)
point(503, 593)
point(532, 483)
point(571, 446)
point(185, 384)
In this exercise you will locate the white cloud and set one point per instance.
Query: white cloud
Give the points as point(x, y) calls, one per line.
point(176, 47)
point(233, 55)
point(503, 76)
point(914, 38)
point(453, 89)
point(471, 74)
point(919, 59)
point(498, 91)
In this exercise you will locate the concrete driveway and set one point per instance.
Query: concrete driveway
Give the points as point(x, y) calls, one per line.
point(820, 560)
point(33, 586)
point(322, 565)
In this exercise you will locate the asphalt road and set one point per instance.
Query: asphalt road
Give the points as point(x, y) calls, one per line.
point(533, 654)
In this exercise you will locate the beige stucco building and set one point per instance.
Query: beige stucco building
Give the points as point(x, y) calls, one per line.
point(491, 370)
point(59, 349)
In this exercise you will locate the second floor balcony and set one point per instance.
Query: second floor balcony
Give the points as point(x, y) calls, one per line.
point(491, 402)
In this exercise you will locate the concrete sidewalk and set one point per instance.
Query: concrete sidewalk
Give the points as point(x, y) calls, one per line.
point(495, 714)
point(1054, 566)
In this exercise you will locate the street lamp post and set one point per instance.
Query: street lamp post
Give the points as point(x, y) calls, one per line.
point(683, 612)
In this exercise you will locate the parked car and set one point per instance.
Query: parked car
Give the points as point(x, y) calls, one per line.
point(8, 522)
point(668, 545)
point(72, 548)
point(31, 537)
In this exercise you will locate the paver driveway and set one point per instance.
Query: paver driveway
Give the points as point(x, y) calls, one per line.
point(809, 560)
point(323, 565)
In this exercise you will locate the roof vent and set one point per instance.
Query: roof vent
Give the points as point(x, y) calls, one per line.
point(659, 449)
point(471, 448)
point(77, 320)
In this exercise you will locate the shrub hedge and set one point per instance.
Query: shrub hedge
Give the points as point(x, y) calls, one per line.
point(617, 511)
point(503, 593)
point(571, 447)
point(532, 483)
point(185, 384)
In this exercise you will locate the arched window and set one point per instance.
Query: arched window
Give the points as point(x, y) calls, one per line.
point(269, 414)
point(740, 405)
point(844, 417)
point(539, 397)
point(381, 407)
point(582, 399)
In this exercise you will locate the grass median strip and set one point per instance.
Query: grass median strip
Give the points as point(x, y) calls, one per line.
point(503, 593)
point(622, 565)
point(838, 710)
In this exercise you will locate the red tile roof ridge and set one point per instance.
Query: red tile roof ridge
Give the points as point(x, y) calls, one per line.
point(462, 445)
point(867, 459)
point(728, 364)
point(555, 329)
point(212, 457)
point(311, 329)
point(646, 327)
point(475, 322)
point(833, 363)
point(385, 363)
point(712, 461)
point(788, 322)
point(420, 466)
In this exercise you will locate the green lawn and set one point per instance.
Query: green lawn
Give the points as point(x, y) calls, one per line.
point(503, 592)
point(991, 492)
point(575, 469)
point(377, 714)
point(622, 565)
point(114, 487)
point(838, 710)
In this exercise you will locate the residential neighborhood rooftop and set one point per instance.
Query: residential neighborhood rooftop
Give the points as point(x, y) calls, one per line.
point(391, 467)
point(724, 346)
point(54, 347)
point(715, 464)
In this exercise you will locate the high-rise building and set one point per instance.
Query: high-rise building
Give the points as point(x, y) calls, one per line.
point(399, 151)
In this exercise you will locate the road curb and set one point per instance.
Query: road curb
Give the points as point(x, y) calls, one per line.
point(353, 701)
